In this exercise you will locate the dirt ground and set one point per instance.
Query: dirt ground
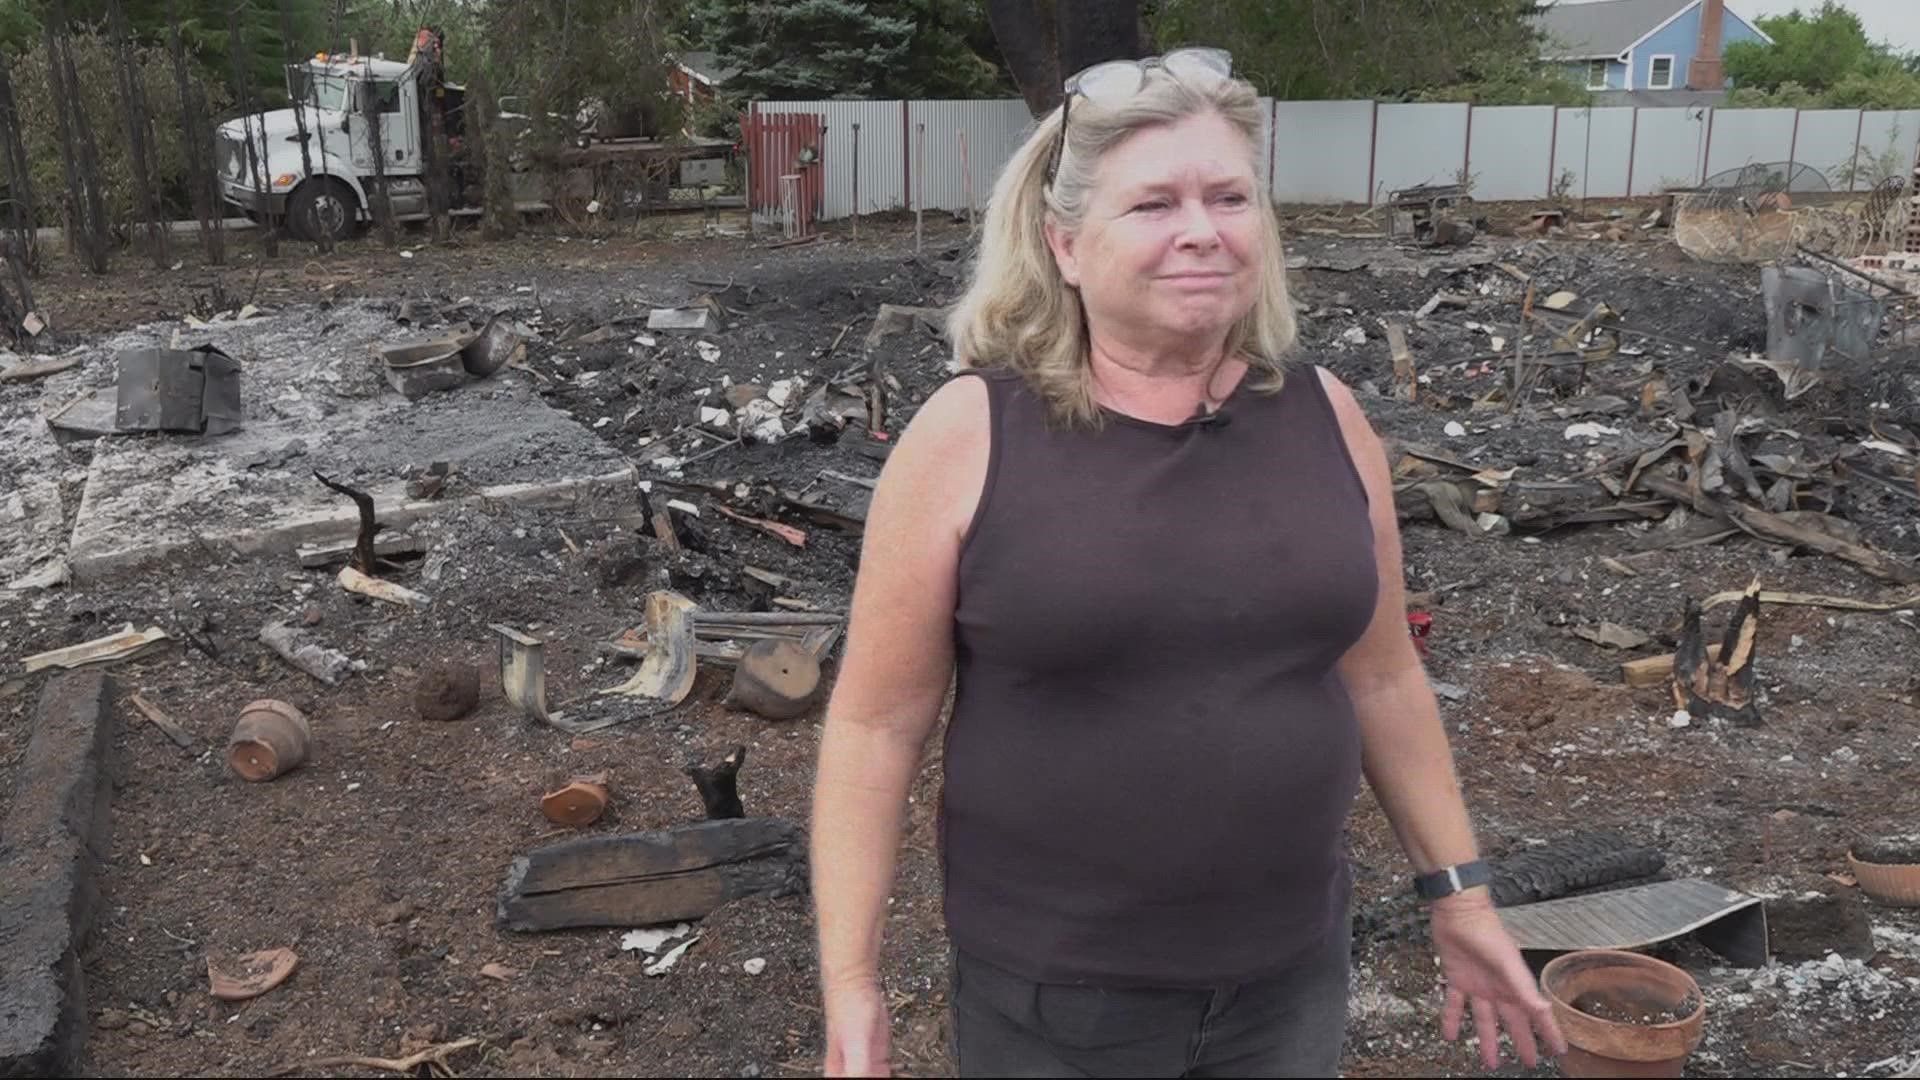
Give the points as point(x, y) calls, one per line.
point(379, 862)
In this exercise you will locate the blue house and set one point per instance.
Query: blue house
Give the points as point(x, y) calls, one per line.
point(1644, 45)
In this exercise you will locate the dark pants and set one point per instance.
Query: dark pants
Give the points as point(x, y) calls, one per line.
point(1292, 1025)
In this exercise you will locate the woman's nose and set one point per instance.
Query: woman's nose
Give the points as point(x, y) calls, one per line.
point(1197, 229)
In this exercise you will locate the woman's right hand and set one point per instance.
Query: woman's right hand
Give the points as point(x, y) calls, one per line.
point(858, 1033)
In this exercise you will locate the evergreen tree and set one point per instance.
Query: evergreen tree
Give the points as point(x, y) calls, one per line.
point(847, 48)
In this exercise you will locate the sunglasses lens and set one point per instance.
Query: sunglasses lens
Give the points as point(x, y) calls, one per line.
point(1202, 63)
point(1111, 82)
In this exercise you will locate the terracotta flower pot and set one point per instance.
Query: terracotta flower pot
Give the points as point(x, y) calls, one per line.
point(1623, 1014)
point(1890, 883)
point(271, 738)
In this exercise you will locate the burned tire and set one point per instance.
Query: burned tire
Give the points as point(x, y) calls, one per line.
point(322, 211)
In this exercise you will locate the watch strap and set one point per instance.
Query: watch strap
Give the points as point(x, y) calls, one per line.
point(1452, 879)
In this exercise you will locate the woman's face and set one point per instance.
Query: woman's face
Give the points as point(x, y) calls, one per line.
point(1169, 250)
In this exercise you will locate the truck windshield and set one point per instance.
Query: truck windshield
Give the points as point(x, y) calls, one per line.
point(323, 91)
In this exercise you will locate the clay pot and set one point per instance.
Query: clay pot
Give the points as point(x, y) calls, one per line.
point(578, 803)
point(271, 738)
point(1892, 884)
point(1622, 984)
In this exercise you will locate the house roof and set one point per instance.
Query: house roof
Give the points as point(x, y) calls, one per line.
point(1601, 30)
point(1607, 29)
point(706, 67)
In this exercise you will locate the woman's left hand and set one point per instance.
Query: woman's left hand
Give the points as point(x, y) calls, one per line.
point(1484, 973)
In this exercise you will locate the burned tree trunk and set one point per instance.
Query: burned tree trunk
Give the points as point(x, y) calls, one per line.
point(22, 215)
point(203, 184)
point(428, 45)
point(87, 232)
point(255, 158)
point(1089, 33)
point(321, 236)
point(1026, 34)
point(379, 200)
point(140, 137)
point(490, 159)
point(1046, 41)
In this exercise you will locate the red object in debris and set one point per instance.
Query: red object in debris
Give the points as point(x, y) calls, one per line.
point(881, 436)
point(1419, 625)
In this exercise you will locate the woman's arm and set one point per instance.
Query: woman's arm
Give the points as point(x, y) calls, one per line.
point(886, 702)
point(1408, 762)
point(1409, 765)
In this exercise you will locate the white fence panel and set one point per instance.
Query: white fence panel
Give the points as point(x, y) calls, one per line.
point(1670, 148)
point(1419, 144)
point(993, 130)
point(1592, 152)
point(1826, 141)
point(1322, 151)
point(1355, 151)
point(1744, 137)
point(1886, 145)
point(1508, 152)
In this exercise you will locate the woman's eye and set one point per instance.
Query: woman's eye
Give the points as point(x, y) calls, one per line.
point(1151, 205)
point(1233, 198)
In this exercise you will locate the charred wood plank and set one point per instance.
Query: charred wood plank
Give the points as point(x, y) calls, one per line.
point(641, 879)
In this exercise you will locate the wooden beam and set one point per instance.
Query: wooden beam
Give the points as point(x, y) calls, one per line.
point(641, 879)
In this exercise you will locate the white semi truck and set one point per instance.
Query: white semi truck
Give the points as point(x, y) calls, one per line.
point(329, 190)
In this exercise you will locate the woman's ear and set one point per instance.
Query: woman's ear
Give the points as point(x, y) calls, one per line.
point(1060, 242)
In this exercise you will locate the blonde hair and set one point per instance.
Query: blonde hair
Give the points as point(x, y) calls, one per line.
point(1019, 314)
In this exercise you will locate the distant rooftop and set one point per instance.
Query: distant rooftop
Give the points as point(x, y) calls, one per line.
point(705, 66)
point(1601, 30)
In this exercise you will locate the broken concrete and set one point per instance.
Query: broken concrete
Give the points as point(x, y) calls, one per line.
point(55, 834)
point(32, 512)
point(314, 395)
point(145, 500)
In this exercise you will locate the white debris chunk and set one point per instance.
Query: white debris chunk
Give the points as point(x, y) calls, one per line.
point(650, 939)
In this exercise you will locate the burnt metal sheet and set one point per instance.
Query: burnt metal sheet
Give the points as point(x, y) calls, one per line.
point(192, 390)
point(1727, 921)
point(1814, 319)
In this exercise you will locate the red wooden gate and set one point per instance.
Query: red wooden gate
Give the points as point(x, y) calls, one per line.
point(786, 145)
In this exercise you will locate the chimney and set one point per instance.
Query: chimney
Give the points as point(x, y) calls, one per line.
point(1706, 71)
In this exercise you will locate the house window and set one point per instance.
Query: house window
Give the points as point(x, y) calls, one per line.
point(1596, 74)
point(1660, 74)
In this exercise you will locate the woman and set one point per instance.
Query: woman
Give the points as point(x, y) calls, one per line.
point(1163, 566)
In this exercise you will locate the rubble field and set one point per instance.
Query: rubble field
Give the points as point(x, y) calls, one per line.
point(1652, 470)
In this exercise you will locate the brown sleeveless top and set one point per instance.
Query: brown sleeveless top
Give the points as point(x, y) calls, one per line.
point(1151, 756)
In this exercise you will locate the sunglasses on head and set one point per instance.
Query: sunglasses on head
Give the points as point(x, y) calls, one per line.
point(1112, 82)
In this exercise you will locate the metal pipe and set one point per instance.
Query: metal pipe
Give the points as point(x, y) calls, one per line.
point(966, 171)
point(920, 181)
point(1861, 274)
point(856, 181)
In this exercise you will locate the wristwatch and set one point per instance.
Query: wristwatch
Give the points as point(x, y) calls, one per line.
point(1452, 879)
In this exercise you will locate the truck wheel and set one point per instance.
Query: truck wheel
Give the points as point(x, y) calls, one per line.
point(322, 210)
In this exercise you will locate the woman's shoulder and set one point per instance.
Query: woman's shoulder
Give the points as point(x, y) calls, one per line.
point(956, 416)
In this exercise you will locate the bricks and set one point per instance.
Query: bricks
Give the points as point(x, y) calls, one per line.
point(51, 842)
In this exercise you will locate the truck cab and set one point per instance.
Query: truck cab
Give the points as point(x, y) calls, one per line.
point(262, 168)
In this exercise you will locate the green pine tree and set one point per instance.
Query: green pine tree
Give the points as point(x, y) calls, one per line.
point(848, 48)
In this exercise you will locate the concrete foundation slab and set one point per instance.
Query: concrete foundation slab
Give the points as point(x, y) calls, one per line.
point(254, 491)
point(33, 517)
